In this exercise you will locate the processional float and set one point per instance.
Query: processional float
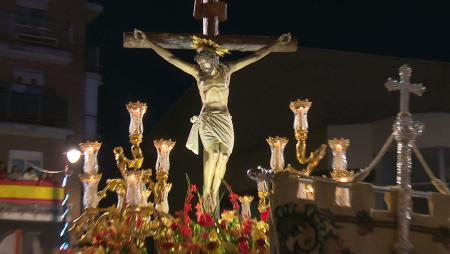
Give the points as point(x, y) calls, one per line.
point(306, 213)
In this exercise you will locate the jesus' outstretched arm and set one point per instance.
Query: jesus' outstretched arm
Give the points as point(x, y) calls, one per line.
point(241, 63)
point(166, 55)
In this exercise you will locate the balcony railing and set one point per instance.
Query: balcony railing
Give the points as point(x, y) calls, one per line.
point(35, 30)
point(34, 109)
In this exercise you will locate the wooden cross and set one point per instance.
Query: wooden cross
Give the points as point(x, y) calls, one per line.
point(211, 12)
point(405, 87)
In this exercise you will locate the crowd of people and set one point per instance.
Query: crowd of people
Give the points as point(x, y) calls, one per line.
point(29, 174)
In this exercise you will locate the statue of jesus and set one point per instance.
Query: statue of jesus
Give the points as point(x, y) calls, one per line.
point(213, 124)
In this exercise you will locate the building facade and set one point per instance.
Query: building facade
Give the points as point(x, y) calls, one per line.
point(48, 103)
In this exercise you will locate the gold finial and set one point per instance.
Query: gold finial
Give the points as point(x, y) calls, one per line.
point(339, 144)
point(168, 143)
point(246, 199)
point(282, 141)
point(199, 43)
point(90, 146)
point(140, 106)
point(296, 105)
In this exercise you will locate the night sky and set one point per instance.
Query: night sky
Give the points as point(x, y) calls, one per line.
point(412, 29)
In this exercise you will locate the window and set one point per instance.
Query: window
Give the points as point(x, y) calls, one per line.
point(19, 160)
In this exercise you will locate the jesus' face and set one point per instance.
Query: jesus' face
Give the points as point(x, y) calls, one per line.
point(207, 61)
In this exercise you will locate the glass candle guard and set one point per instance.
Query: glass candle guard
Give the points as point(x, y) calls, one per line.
point(300, 109)
point(163, 148)
point(277, 146)
point(245, 210)
point(90, 151)
point(137, 111)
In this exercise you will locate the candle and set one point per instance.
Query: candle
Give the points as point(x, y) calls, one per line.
point(277, 145)
point(90, 151)
point(137, 111)
point(300, 109)
point(339, 148)
point(163, 148)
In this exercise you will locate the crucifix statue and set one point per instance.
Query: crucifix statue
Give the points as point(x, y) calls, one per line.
point(213, 124)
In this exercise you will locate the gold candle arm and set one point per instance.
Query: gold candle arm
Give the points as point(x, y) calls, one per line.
point(114, 185)
point(136, 151)
point(300, 109)
point(263, 204)
point(121, 160)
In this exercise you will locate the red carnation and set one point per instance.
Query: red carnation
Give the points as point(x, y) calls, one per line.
point(265, 215)
point(186, 231)
point(205, 220)
point(243, 247)
point(247, 227)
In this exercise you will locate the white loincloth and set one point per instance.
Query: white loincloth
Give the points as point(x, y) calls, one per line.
point(214, 127)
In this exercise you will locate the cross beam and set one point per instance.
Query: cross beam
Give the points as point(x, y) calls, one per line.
point(232, 42)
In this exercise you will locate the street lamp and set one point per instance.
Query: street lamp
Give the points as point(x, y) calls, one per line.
point(73, 155)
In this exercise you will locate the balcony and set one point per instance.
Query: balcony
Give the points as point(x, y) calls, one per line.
point(30, 200)
point(32, 104)
point(36, 36)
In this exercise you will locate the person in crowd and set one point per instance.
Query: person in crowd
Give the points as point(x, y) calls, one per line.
point(30, 175)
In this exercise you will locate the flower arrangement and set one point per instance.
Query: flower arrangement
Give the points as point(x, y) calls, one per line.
point(205, 233)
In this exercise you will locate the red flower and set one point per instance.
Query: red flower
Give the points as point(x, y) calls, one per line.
point(139, 223)
point(247, 227)
point(185, 231)
point(223, 225)
point(205, 220)
point(265, 215)
point(204, 236)
point(168, 245)
point(234, 199)
point(193, 188)
point(198, 210)
point(243, 247)
point(174, 226)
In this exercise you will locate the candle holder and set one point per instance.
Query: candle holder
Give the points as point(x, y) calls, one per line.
point(277, 145)
point(260, 176)
point(339, 148)
point(90, 151)
point(90, 186)
point(162, 188)
point(90, 178)
point(136, 129)
point(163, 148)
point(137, 111)
point(161, 191)
point(300, 109)
point(246, 201)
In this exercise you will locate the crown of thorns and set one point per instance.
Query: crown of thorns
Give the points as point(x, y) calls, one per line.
point(201, 43)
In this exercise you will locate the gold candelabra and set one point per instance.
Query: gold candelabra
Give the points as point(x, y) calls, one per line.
point(300, 109)
point(134, 214)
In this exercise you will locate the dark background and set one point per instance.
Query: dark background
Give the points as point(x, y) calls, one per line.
point(412, 29)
